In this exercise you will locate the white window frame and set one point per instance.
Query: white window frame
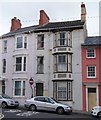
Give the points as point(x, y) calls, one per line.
point(59, 91)
point(89, 53)
point(22, 83)
point(4, 66)
point(64, 84)
point(69, 39)
point(40, 41)
point(22, 64)
point(24, 41)
point(40, 65)
point(59, 64)
point(87, 72)
point(5, 46)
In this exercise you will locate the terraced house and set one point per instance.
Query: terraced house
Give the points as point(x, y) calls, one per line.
point(50, 54)
point(91, 72)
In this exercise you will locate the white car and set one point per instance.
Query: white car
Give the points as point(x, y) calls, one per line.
point(96, 111)
point(6, 101)
point(47, 103)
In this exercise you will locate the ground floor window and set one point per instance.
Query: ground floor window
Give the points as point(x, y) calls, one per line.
point(19, 88)
point(3, 87)
point(62, 90)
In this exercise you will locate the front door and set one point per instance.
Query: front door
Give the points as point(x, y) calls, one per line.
point(92, 98)
point(39, 89)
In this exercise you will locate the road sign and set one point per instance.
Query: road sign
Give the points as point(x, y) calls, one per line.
point(31, 81)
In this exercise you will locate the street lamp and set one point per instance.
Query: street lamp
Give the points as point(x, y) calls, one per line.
point(31, 81)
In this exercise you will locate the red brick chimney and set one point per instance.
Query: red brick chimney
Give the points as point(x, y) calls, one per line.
point(83, 12)
point(15, 24)
point(44, 19)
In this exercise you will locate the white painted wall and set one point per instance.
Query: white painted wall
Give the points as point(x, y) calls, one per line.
point(78, 37)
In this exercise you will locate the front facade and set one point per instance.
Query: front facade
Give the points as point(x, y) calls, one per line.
point(91, 72)
point(48, 53)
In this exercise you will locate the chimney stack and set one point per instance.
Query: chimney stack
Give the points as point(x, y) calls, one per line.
point(44, 19)
point(15, 24)
point(83, 12)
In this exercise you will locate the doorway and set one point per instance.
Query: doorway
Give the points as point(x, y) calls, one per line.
point(39, 89)
point(92, 98)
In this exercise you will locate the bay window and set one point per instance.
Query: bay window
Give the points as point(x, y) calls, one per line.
point(62, 90)
point(63, 39)
point(62, 63)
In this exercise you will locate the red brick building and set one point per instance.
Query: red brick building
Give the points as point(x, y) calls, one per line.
point(91, 72)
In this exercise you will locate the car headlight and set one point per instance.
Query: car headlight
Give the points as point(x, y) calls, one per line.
point(68, 108)
point(10, 101)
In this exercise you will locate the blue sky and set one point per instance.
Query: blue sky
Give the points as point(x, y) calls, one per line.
point(63, 10)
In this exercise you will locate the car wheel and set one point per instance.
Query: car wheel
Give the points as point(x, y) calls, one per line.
point(99, 114)
point(60, 110)
point(32, 108)
point(4, 105)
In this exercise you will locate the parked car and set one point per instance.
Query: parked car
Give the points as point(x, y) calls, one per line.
point(48, 104)
point(7, 101)
point(96, 111)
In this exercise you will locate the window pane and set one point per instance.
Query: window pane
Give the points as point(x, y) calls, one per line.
point(62, 40)
point(24, 66)
point(62, 63)
point(23, 91)
point(62, 90)
point(5, 46)
point(19, 42)
point(18, 63)
point(40, 42)
point(25, 42)
point(17, 88)
point(91, 71)
point(90, 53)
point(40, 65)
point(4, 65)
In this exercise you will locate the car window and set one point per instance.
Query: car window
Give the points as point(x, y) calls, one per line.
point(47, 100)
point(41, 99)
point(0, 97)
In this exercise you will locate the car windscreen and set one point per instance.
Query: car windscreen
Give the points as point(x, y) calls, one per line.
point(55, 100)
point(6, 96)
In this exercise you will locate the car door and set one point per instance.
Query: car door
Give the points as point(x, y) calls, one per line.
point(40, 103)
point(0, 100)
point(49, 104)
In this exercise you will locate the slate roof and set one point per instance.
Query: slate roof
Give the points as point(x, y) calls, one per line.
point(20, 30)
point(94, 40)
point(68, 25)
point(51, 26)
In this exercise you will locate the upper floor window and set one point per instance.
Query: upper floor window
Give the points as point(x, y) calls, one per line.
point(40, 41)
point(63, 39)
point(91, 53)
point(91, 71)
point(40, 64)
point(63, 63)
point(20, 63)
point(4, 66)
point(19, 88)
point(21, 42)
point(5, 46)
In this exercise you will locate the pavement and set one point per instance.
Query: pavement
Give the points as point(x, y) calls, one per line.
point(81, 112)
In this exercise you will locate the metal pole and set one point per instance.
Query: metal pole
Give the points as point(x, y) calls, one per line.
point(32, 91)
